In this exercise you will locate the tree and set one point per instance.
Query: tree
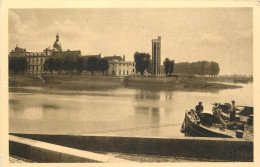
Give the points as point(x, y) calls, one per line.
point(166, 64)
point(79, 64)
point(142, 62)
point(214, 68)
point(103, 65)
point(58, 64)
point(49, 65)
point(68, 64)
point(92, 65)
point(171, 67)
point(18, 64)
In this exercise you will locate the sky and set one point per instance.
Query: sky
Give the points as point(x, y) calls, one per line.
point(223, 35)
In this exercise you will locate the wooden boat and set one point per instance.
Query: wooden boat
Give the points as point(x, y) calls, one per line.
point(205, 125)
point(241, 116)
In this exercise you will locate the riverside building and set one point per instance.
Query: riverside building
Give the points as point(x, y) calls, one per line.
point(36, 60)
point(119, 67)
point(156, 56)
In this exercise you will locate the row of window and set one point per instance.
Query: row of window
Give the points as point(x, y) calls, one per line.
point(35, 54)
point(123, 64)
point(35, 61)
point(35, 68)
point(123, 72)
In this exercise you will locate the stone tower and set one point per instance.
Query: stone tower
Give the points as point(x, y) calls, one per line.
point(156, 56)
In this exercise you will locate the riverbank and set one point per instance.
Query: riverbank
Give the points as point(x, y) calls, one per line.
point(86, 82)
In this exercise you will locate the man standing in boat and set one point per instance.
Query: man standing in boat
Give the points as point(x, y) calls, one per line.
point(199, 108)
point(233, 110)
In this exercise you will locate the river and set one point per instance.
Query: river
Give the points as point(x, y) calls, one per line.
point(120, 111)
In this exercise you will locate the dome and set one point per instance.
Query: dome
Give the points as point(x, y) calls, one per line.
point(57, 44)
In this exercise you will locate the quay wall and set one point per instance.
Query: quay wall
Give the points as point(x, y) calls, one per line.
point(39, 151)
point(192, 147)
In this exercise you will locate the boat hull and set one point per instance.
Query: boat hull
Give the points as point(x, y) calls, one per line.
point(194, 129)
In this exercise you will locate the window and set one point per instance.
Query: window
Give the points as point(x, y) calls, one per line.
point(113, 72)
point(119, 72)
point(124, 72)
point(127, 72)
point(133, 70)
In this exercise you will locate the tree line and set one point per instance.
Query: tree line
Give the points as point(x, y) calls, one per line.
point(67, 63)
point(198, 68)
point(78, 64)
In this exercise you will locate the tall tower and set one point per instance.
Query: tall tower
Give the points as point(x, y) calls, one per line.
point(156, 56)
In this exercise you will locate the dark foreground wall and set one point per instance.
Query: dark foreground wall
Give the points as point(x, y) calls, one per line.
point(212, 148)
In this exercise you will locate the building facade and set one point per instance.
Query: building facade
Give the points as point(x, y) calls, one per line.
point(36, 60)
point(156, 56)
point(119, 67)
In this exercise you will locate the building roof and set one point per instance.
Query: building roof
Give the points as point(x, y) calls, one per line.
point(119, 58)
point(87, 56)
point(67, 53)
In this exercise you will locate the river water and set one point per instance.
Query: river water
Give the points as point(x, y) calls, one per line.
point(119, 111)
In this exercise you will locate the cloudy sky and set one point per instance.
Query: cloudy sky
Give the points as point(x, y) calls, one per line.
point(223, 35)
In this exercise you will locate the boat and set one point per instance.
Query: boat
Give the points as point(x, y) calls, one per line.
point(207, 125)
point(242, 115)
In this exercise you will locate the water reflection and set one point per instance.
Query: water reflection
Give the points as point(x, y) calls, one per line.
point(144, 96)
point(147, 97)
point(119, 111)
point(49, 106)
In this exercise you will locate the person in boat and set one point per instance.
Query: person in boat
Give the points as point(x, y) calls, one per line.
point(215, 110)
point(233, 110)
point(199, 108)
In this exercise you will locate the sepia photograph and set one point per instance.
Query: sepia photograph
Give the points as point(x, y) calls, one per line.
point(130, 84)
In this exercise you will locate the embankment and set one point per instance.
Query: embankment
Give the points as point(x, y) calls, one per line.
point(192, 147)
point(64, 81)
point(85, 82)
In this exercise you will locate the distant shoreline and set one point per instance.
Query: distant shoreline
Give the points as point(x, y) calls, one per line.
point(85, 82)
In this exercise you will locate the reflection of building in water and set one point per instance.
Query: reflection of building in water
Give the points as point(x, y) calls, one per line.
point(36, 60)
point(156, 56)
point(148, 96)
point(119, 67)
